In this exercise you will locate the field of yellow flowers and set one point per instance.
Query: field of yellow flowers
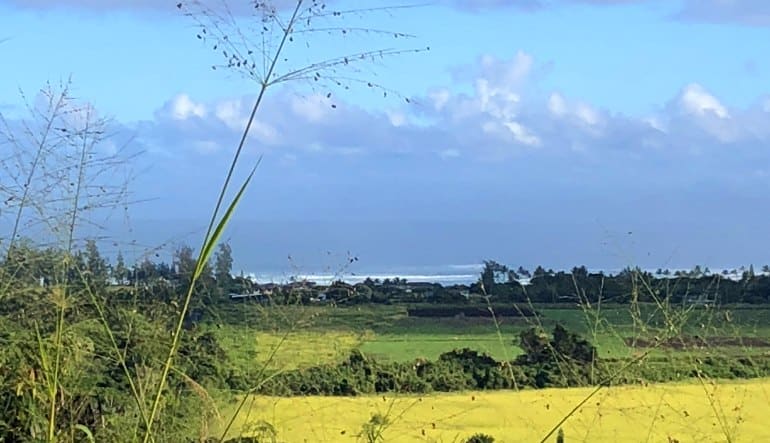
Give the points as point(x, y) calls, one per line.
point(696, 412)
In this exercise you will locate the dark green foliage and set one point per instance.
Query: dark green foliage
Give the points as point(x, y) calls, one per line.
point(96, 270)
point(565, 359)
point(679, 368)
point(94, 390)
point(223, 267)
point(560, 360)
point(470, 311)
point(229, 440)
point(480, 438)
point(458, 370)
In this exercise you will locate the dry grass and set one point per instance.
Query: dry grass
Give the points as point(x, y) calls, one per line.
point(248, 348)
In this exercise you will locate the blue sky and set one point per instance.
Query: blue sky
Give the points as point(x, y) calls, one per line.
point(540, 131)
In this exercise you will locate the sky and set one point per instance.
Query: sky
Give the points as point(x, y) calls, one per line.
point(608, 133)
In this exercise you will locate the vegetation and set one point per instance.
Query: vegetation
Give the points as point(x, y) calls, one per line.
point(212, 356)
point(159, 352)
point(629, 413)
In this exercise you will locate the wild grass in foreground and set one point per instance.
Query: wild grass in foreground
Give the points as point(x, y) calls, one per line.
point(80, 362)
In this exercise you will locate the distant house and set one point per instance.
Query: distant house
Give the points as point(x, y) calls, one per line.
point(320, 297)
point(252, 295)
point(425, 289)
point(261, 293)
point(701, 300)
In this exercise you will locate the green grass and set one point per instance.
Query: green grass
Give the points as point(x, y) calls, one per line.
point(404, 347)
point(328, 334)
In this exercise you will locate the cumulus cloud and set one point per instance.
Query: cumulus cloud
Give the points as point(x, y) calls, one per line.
point(498, 119)
point(493, 152)
point(696, 100)
point(182, 108)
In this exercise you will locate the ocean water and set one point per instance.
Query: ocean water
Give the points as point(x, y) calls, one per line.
point(446, 275)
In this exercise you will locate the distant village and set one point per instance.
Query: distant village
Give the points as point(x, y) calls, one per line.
point(370, 290)
point(500, 281)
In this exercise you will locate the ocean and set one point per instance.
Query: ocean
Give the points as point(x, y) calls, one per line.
point(446, 275)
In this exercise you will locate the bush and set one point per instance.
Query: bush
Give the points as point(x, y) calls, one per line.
point(480, 438)
point(562, 360)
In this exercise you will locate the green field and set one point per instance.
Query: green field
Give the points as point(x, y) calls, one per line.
point(289, 337)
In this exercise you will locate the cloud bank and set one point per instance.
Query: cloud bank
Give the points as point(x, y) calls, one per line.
point(501, 118)
point(741, 12)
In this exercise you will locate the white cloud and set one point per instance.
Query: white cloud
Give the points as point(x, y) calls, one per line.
point(696, 100)
point(497, 102)
point(231, 113)
point(557, 105)
point(439, 98)
point(511, 74)
point(522, 134)
point(499, 118)
point(397, 118)
point(182, 108)
point(313, 108)
point(587, 114)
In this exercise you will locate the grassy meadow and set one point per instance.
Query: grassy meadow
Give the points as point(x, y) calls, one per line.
point(290, 337)
point(700, 410)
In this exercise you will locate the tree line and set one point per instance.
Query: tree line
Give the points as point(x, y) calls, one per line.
point(154, 278)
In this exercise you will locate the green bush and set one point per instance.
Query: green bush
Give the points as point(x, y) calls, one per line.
point(480, 438)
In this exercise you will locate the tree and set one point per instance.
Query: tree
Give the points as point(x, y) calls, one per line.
point(183, 262)
point(534, 343)
point(569, 345)
point(696, 272)
point(492, 274)
point(748, 275)
point(580, 272)
point(95, 266)
point(119, 271)
point(223, 266)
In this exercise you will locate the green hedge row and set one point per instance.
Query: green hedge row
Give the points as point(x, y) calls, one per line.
point(560, 360)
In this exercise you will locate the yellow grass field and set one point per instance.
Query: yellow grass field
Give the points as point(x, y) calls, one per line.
point(694, 412)
point(302, 349)
point(291, 350)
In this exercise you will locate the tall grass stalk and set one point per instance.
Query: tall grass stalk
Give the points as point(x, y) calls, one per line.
point(268, 78)
point(55, 177)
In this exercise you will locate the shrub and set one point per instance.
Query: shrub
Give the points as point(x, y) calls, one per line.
point(480, 438)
